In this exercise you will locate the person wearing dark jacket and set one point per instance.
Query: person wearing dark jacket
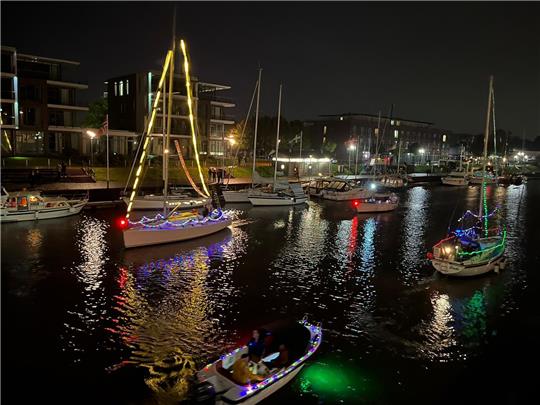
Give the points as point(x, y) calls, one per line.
point(256, 346)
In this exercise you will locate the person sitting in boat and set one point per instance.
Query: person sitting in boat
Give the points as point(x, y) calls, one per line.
point(256, 345)
point(282, 360)
point(241, 373)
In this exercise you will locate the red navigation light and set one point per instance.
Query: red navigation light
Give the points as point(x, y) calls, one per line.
point(122, 223)
point(429, 255)
point(356, 203)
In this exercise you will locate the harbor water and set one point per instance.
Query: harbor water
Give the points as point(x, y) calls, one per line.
point(84, 320)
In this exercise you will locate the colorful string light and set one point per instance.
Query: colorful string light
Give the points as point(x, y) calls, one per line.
point(191, 120)
point(215, 216)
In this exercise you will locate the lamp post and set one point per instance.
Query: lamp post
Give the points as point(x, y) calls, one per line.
point(92, 135)
point(351, 148)
point(421, 151)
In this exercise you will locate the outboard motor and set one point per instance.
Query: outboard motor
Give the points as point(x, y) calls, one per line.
point(204, 393)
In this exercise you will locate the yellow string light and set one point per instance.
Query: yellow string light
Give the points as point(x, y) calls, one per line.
point(192, 124)
point(149, 131)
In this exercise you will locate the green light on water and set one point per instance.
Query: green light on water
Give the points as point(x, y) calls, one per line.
point(334, 381)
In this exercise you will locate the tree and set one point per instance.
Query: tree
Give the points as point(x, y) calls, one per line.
point(96, 114)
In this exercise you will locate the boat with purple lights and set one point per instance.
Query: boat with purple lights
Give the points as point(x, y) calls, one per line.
point(216, 383)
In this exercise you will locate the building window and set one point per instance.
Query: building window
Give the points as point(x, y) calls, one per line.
point(115, 88)
point(29, 116)
point(121, 88)
point(127, 87)
point(392, 122)
point(396, 133)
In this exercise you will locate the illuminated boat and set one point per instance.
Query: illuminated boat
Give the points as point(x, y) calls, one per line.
point(475, 248)
point(31, 205)
point(479, 177)
point(377, 203)
point(170, 229)
point(216, 383)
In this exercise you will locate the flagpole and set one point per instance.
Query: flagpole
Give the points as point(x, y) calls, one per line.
point(107, 136)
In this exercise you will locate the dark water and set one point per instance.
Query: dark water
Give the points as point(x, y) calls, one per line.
point(84, 320)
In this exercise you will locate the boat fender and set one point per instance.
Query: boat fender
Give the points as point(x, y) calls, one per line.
point(205, 393)
point(496, 269)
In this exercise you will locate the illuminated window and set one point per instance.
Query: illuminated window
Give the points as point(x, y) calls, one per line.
point(396, 133)
point(341, 118)
point(324, 130)
point(121, 88)
point(127, 87)
point(444, 138)
point(115, 88)
point(392, 122)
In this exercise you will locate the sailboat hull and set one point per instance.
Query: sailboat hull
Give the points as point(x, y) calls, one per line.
point(463, 270)
point(271, 200)
point(156, 203)
point(239, 196)
point(454, 181)
point(141, 236)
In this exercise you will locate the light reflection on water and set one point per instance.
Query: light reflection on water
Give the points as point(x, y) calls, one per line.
point(169, 309)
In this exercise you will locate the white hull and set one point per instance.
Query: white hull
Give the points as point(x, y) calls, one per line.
point(341, 195)
point(454, 181)
point(240, 196)
point(45, 213)
point(476, 180)
point(275, 200)
point(268, 391)
point(463, 270)
point(365, 207)
point(141, 236)
point(156, 202)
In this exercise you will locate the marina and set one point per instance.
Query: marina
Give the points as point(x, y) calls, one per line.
point(131, 317)
point(283, 203)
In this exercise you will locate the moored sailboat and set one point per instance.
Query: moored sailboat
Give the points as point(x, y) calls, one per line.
point(167, 227)
point(478, 248)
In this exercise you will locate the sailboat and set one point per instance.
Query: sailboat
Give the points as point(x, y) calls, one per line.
point(170, 226)
point(241, 196)
point(376, 202)
point(291, 195)
point(474, 248)
point(458, 177)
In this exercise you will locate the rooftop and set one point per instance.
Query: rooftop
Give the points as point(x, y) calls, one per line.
point(374, 116)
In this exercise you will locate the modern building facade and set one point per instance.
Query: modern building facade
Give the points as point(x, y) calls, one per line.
point(40, 111)
point(130, 98)
point(360, 133)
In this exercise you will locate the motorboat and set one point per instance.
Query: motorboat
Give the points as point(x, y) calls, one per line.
point(293, 195)
point(456, 179)
point(336, 190)
point(161, 229)
point(156, 202)
point(215, 381)
point(392, 181)
point(377, 203)
point(31, 205)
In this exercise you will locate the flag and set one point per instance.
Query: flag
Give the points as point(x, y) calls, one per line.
point(105, 126)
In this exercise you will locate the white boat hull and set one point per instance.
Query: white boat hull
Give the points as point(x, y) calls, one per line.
point(145, 236)
point(40, 214)
point(275, 200)
point(365, 207)
point(463, 270)
point(156, 203)
point(454, 181)
point(239, 196)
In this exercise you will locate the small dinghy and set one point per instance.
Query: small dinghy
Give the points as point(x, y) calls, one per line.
point(216, 383)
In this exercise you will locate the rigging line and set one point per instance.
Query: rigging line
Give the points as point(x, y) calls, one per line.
point(134, 159)
point(186, 171)
point(244, 126)
point(494, 130)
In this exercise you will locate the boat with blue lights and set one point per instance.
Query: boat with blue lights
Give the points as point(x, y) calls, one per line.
point(215, 381)
point(475, 247)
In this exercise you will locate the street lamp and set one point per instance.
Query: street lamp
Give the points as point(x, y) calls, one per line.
point(92, 135)
point(422, 151)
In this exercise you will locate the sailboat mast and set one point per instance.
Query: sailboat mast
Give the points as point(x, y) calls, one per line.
point(486, 139)
point(169, 112)
point(256, 124)
point(277, 135)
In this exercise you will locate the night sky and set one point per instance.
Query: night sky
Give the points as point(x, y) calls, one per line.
point(431, 60)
